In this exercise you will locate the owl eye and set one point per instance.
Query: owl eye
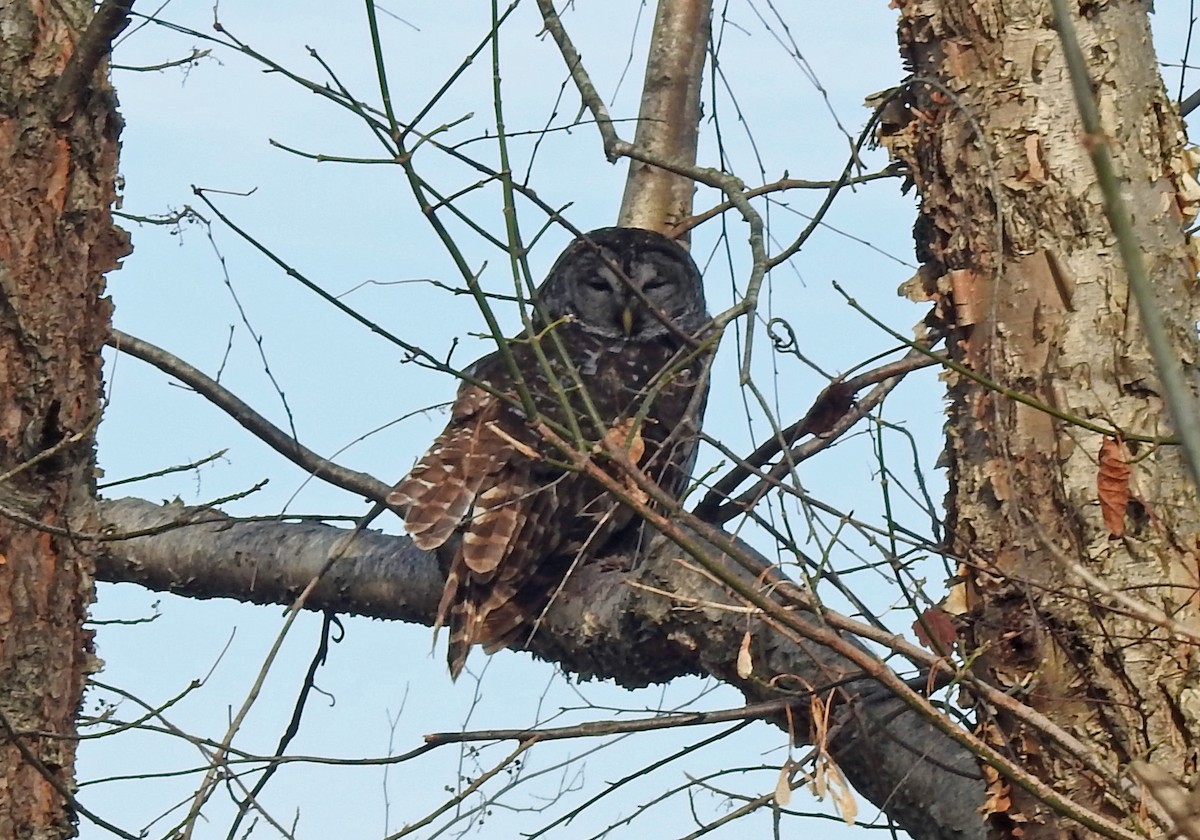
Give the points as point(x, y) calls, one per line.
point(653, 284)
point(596, 284)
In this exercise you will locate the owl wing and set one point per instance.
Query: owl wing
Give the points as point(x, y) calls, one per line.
point(441, 489)
point(484, 478)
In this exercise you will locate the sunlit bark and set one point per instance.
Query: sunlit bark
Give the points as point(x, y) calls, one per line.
point(58, 155)
point(1022, 265)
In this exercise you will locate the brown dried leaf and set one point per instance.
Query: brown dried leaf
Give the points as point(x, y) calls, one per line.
point(831, 405)
point(783, 786)
point(957, 600)
point(1112, 485)
point(936, 631)
point(745, 665)
point(626, 436)
point(997, 801)
point(842, 796)
point(828, 778)
point(816, 712)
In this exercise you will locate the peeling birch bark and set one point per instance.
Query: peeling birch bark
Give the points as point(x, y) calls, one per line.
point(1020, 262)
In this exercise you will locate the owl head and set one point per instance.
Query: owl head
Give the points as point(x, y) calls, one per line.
point(623, 283)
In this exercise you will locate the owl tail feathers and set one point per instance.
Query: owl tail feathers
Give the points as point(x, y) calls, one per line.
point(460, 611)
point(463, 622)
point(437, 495)
point(456, 655)
point(431, 511)
point(475, 618)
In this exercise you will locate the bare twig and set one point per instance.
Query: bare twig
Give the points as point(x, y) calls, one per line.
point(191, 465)
point(52, 777)
point(251, 420)
point(833, 412)
point(596, 729)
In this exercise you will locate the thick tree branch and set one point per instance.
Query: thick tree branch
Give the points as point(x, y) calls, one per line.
point(599, 627)
point(669, 116)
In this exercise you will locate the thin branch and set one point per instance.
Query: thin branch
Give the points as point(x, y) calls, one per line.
point(300, 455)
point(583, 82)
point(193, 465)
point(833, 412)
point(782, 185)
point(464, 793)
point(594, 729)
point(1003, 390)
point(196, 55)
point(52, 778)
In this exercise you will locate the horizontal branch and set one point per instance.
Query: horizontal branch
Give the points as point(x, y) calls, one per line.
point(599, 627)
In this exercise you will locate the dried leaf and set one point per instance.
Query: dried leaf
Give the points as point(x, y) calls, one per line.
point(783, 786)
point(745, 665)
point(827, 778)
point(997, 800)
point(820, 726)
point(1112, 485)
point(841, 794)
point(831, 405)
point(626, 436)
point(935, 630)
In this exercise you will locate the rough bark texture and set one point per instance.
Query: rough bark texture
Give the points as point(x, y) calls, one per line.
point(600, 626)
point(56, 242)
point(1021, 263)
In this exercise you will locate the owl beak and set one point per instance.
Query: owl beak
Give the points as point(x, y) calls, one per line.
point(627, 320)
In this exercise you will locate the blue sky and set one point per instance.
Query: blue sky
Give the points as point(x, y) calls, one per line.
point(355, 230)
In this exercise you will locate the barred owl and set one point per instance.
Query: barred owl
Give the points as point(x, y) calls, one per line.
point(616, 347)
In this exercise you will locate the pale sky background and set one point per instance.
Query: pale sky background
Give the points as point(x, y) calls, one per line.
point(355, 231)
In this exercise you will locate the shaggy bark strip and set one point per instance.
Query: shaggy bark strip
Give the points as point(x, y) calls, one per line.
point(1021, 265)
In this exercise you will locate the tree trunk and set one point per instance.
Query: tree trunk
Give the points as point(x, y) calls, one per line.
point(1022, 266)
point(58, 156)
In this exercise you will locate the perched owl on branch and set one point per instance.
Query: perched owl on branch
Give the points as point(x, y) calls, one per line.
point(617, 352)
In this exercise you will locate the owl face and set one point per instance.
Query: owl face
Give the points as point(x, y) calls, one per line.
point(623, 283)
